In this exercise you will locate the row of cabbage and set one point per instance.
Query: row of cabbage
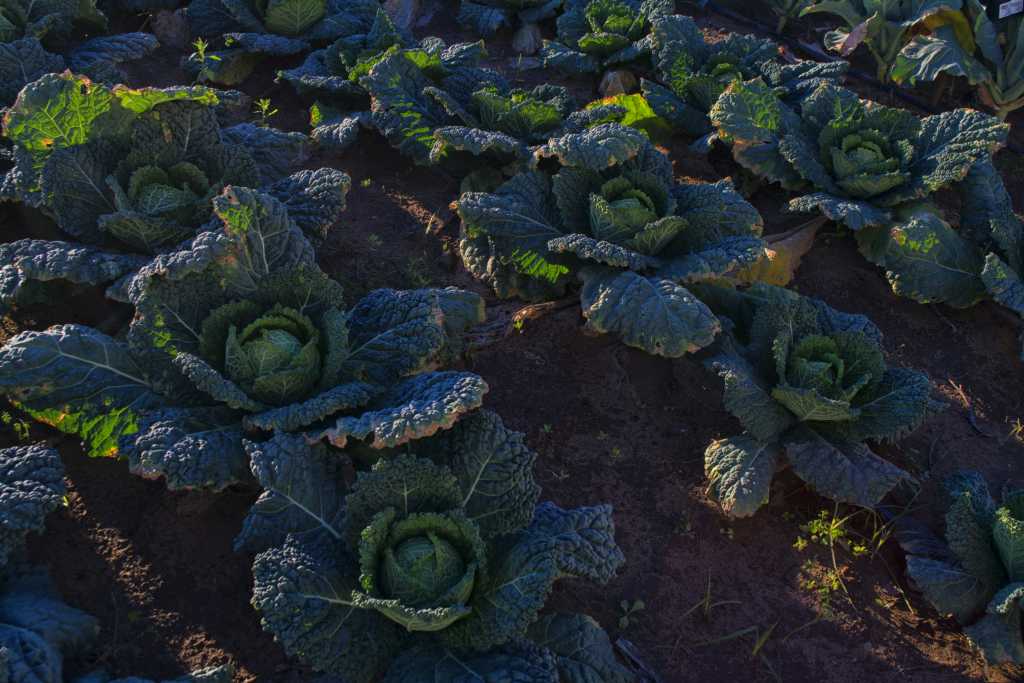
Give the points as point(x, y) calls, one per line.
point(242, 366)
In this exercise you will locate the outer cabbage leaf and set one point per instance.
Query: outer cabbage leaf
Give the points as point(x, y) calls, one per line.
point(31, 487)
point(190, 448)
point(30, 264)
point(508, 663)
point(79, 381)
point(582, 649)
point(314, 199)
point(99, 57)
point(505, 236)
point(413, 409)
point(846, 472)
point(303, 592)
point(494, 468)
point(740, 471)
point(37, 629)
point(998, 633)
point(21, 62)
point(303, 492)
point(558, 544)
point(655, 315)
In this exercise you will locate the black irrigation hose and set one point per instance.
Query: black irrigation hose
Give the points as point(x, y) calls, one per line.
point(819, 55)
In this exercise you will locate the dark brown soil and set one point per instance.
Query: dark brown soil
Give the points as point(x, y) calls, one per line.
point(611, 424)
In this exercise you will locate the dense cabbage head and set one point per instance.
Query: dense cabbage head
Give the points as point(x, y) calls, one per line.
point(273, 355)
point(869, 152)
point(824, 377)
point(420, 570)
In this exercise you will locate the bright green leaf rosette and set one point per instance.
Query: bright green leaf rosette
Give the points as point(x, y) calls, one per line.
point(811, 388)
point(977, 574)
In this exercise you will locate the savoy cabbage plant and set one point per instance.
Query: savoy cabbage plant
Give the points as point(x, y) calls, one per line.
point(485, 17)
point(438, 107)
point(987, 57)
point(811, 387)
point(977, 574)
point(34, 35)
point(250, 30)
point(693, 73)
point(884, 26)
point(929, 260)
point(131, 173)
point(613, 217)
point(857, 161)
point(594, 35)
point(238, 333)
point(333, 72)
point(432, 566)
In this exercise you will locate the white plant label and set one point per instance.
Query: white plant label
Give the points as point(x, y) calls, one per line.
point(1008, 9)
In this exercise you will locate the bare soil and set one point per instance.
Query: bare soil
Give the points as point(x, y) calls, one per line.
point(610, 423)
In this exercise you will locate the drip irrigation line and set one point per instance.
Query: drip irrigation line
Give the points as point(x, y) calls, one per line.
point(820, 55)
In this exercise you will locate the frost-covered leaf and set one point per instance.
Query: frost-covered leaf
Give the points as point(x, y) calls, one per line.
point(413, 409)
point(652, 314)
point(845, 472)
point(79, 381)
point(303, 492)
point(31, 487)
point(740, 471)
